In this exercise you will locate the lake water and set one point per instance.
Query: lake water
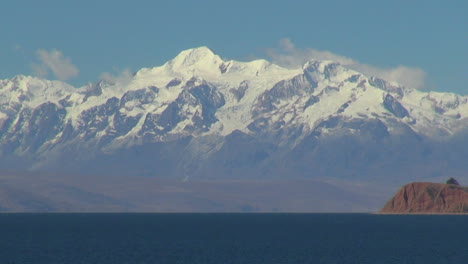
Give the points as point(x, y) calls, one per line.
point(232, 238)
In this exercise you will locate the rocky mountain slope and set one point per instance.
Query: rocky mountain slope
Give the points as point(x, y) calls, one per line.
point(199, 116)
point(428, 198)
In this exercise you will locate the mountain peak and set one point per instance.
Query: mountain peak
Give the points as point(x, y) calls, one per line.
point(199, 51)
point(200, 58)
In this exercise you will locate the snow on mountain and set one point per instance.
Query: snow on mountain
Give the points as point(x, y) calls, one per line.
point(32, 91)
point(199, 94)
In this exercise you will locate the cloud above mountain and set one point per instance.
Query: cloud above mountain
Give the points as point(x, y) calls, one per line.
point(54, 62)
point(122, 77)
point(288, 55)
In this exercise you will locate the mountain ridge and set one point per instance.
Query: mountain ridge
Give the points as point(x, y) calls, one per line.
point(197, 108)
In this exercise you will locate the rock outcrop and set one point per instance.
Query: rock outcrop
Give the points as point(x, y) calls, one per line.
point(428, 198)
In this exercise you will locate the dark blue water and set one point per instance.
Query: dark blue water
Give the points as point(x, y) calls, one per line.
point(232, 238)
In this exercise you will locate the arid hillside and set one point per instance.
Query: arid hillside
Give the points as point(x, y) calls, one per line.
point(428, 198)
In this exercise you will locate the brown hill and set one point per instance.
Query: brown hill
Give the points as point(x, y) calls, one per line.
point(428, 198)
point(35, 192)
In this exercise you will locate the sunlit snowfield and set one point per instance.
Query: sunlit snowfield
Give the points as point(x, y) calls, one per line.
point(232, 238)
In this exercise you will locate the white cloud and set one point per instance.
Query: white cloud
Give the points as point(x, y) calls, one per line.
point(39, 70)
point(287, 55)
point(54, 61)
point(123, 77)
point(407, 76)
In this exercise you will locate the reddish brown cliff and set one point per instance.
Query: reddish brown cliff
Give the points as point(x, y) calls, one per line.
point(428, 198)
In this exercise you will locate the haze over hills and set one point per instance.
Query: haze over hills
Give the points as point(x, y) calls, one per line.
point(199, 117)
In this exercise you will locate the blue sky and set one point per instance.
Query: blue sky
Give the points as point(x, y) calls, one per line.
point(429, 38)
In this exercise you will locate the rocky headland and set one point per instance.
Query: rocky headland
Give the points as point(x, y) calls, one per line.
point(428, 198)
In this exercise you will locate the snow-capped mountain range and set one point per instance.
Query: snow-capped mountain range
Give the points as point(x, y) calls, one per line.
point(199, 115)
